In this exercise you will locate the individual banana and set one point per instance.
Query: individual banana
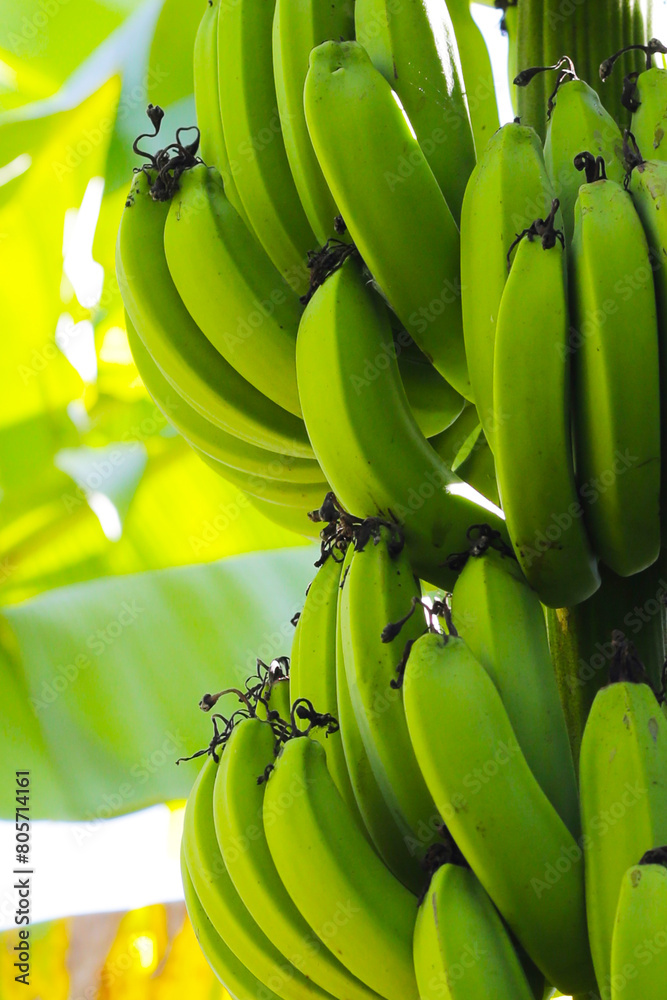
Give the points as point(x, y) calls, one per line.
point(434, 403)
point(533, 445)
point(231, 289)
point(413, 46)
point(237, 808)
point(502, 623)
point(507, 190)
point(623, 789)
point(579, 122)
point(313, 666)
point(380, 821)
point(305, 496)
point(389, 199)
point(461, 947)
point(639, 944)
point(649, 118)
point(185, 356)
point(489, 798)
point(291, 518)
point(380, 589)
point(372, 452)
point(232, 973)
point(205, 436)
point(297, 29)
point(617, 441)
point(207, 102)
point(253, 136)
point(350, 899)
point(223, 905)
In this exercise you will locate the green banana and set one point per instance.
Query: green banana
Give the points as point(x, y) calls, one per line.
point(237, 808)
point(297, 29)
point(488, 798)
point(222, 903)
point(350, 899)
point(649, 119)
point(186, 358)
point(379, 589)
point(475, 464)
point(207, 102)
point(230, 287)
point(507, 190)
point(380, 821)
point(461, 948)
point(623, 788)
point(502, 623)
point(434, 404)
point(231, 972)
point(290, 518)
point(617, 441)
point(313, 666)
point(389, 199)
point(638, 950)
point(253, 135)
point(205, 436)
point(531, 389)
point(287, 493)
point(413, 46)
point(579, 122)
point(372, 453)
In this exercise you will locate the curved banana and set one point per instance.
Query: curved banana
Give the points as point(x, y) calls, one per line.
point(313, 666)
point(372, 453)
point(253, 136)
point(223, 905)
point(290, 518)
point(649, 119)
point(237, 808)
point(414, 48)
point(286, 493)
point(389, 199)
point(297, 29)
point(533, 446)
point(638, 951)
point(488, 798)
point(502, 623)
point(623, 789)
point(617, 441)
point(507, 190)
point(461, 948)
point(352, 902)
point(186, 358)
point(579, 122)
point(434, 403)
point(450, 442)
point(234, 976)
point(205, 436)
point(386, 835)
point(207, 102)
point(379, 589)
point(231, 289)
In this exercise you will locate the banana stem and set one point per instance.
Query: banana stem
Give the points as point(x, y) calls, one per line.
point(580, 639)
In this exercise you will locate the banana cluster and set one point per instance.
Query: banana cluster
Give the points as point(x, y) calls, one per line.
point(394, 810)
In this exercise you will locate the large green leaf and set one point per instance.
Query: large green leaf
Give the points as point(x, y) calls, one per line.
point(101, 681)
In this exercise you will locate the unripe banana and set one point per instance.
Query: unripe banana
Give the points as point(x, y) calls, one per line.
point(477, 72)
point(649, 119)
point(462, 950)
point(253, 136)
point(414, 48)
point(579, 122)
point(230, 287)
point(207, 102)
point(401, 225)
point(502, 623)
point(290, 518)
point(639, 944)
point(475, 464)
point(531, 388)
point(349, 898)
point(380, 589)
point(185, 356)
point(304, 496)
point(617, 441)
point(507, 190)
point(488, 798)
point(297, 29)
point(237, 805)
point(372, 453)
point(623, 788)
point(434, 403)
